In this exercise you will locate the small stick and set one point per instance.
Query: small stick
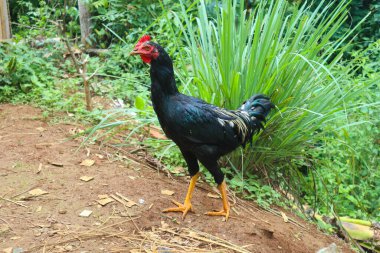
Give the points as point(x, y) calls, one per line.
point(122, 201)
point(14, 202)
point(126, 199)
point(6, 222)
point(18, 194)
point(134, 223)
point(118, 200)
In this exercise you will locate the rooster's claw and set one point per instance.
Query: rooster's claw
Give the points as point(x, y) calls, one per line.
point(184, 208)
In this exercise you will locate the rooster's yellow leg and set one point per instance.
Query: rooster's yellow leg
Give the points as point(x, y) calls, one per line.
point(226, 206)
point(187, 204)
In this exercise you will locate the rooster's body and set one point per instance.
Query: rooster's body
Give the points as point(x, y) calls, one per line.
point(203, 132)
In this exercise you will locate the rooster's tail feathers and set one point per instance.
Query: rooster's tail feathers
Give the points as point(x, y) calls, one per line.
point(257, 108)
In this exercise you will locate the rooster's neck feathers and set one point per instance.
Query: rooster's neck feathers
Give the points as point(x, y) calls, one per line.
point(162, 73)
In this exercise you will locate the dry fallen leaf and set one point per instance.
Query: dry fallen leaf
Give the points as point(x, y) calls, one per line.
point(87, 162)
point(213, 195)
point(130, 203)
point(178, 170)
point(37, 192)
point(105, 201)
point(86, 178)
point(85, 213)
point(39, 168)
point(156, 133)
point(132, 177)
point(38, 209)
point(167, 192)
point(102, 196)
point(40, 129)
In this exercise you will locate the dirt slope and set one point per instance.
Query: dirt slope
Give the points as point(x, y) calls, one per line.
point(35, 154)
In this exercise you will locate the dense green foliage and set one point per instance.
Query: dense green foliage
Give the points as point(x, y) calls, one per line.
point(322, 140)
point(291, 54)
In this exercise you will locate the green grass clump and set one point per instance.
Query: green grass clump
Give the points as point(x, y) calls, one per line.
point(276, 49)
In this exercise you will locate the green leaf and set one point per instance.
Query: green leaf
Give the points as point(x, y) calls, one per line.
point(139, 103)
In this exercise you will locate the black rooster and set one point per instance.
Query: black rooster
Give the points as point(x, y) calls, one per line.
point(203, 132)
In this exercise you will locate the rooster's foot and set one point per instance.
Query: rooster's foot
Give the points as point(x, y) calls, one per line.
point(225, 213)
point(184, 208)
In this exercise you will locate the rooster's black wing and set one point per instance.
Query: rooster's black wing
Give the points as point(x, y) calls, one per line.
point(198, 122)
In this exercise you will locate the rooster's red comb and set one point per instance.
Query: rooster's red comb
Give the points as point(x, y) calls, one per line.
point(143, 39)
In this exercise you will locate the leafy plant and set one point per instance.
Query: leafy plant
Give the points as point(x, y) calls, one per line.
point(115, 19)
point(33, 19)
point(24, 69)
point(280, 50)
point(349, 168)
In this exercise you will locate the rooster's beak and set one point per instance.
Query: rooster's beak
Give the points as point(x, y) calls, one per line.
point(134, 52)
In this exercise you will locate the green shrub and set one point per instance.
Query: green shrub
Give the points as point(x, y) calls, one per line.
point(288, 52)
point(349, 168)
point(25, 69)
point(287, 55)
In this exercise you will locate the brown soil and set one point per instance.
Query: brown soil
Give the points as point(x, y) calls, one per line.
point(38, 154)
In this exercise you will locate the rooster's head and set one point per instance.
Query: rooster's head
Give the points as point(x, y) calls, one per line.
point(147, 50)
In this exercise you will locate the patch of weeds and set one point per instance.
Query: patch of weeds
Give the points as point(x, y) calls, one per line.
point(250, 188)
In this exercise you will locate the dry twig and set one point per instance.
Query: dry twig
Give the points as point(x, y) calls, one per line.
point(14, 202)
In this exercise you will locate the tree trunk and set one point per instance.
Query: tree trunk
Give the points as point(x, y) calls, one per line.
point(84, 19)
point(5, 24)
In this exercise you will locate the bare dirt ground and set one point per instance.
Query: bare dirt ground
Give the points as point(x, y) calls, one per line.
point(38, 154)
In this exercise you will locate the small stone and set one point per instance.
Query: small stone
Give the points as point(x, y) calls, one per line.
point(86, 178)
point(62, 211)
point(87, 162)
point(167, 192)
point(51, 233)
point(85, 213)
point(69, 247)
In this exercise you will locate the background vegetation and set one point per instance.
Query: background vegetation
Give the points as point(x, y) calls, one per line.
point(320, 64)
